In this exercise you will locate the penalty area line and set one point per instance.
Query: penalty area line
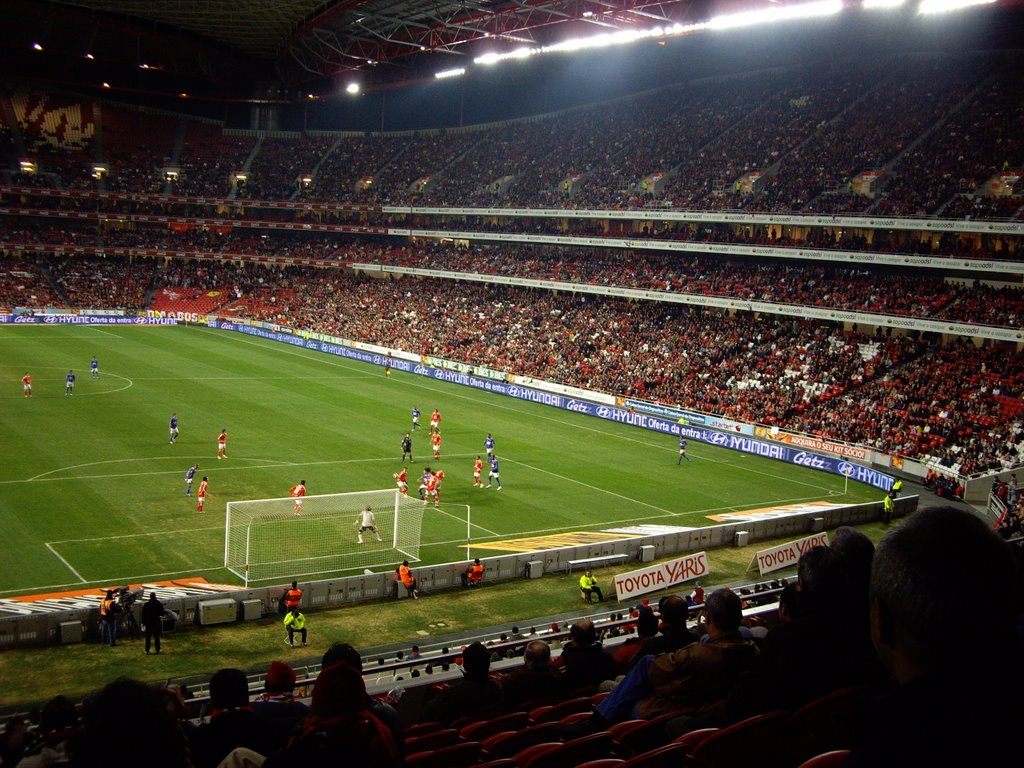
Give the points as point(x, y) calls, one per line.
point(67, 565)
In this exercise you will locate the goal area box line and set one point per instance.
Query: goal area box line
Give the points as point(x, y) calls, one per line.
point(267, 539)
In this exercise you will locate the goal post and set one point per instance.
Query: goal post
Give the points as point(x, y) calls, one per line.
point(269, 539)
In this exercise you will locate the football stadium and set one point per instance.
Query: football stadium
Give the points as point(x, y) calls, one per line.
point(565, 383)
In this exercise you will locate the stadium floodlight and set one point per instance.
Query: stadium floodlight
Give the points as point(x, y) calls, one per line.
point(352, 88)
point(776, 14)
point(444, 74)
point(930, 7)
point(265, 539)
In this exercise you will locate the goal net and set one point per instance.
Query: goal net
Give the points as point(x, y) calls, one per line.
point(282, 538)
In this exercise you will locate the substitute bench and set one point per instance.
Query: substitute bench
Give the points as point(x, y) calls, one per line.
point(599, 560)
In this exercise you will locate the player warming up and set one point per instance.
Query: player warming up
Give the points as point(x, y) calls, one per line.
point(172, 427)
point(69, 384)
point(435, 421)
point(26, 384)
point(402, 479)
point(494, 473)
point(682, 451)
point(478, 468)
point(222, 444)
point(435, 443)
point(201, 494)
point(407, 447)
point(367, 522)
point(415, 418)
point(94, 366)
point(297, 492)
point(489, 446)
point(190, 475)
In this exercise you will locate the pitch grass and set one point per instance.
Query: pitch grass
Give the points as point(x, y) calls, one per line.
point(91, 492)
point(34, 675)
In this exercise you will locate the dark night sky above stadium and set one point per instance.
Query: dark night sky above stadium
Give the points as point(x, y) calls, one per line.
point(224, 78)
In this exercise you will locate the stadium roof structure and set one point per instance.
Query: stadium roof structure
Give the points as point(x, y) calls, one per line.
point(303, 42)
point(285, 50)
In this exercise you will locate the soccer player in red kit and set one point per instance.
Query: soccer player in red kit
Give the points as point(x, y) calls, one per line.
point(297, 492)
point(435, 421)
point(26, 384)
point(201, 495)
point(478, 468)
point(435, 441)
point(222, 444)
point(402, 478)
point(430, 489)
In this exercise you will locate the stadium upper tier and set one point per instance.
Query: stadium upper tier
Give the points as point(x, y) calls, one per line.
point(914, 136)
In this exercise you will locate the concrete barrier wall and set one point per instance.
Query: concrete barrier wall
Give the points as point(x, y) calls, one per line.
point(43, 629)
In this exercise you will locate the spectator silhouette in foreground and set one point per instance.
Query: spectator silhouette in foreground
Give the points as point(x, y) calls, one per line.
point(955, 695)
point(157, 740)
point(340, 730)
point(475, 691)
point(232, 721)
point(586, 662)
point(387, 714)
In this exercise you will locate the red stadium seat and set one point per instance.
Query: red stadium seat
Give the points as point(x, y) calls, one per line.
point(767, 739)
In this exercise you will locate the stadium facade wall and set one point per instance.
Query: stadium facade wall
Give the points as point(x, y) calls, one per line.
point(25, 624)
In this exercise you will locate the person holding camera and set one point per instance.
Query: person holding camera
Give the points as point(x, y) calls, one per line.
point(152, 621)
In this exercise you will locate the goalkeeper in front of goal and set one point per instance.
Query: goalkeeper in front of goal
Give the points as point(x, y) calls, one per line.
point(367, 522)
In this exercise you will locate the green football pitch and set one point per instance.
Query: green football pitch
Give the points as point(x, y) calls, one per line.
point(91, 491)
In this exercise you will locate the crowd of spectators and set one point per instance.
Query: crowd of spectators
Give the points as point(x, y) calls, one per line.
point(936, 132)
point(877, 290)
point(902, 394)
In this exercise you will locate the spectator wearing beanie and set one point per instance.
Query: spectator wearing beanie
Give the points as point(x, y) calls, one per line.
point(476, 692)
point(339, 730)
point(276, 707)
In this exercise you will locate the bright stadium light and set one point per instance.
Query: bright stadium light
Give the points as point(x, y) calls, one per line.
point(778, 13)
point(352, 88)
point(450, 73)
point(929, 7)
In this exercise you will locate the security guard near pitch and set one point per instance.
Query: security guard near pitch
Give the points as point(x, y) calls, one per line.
point(888, 509)
point(896, 488)
point(295, 622)
point(588, 587)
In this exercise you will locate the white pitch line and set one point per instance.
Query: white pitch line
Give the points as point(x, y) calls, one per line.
point(118, 537)
point(120, 461)
point(66, 563)
point(591, 487)
point(619, 436)
point(459, 519)
point(219, 468)
point(611, 523)
point(117, 580)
